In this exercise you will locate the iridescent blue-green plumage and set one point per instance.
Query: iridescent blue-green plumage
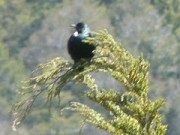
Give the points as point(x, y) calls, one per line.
point(76, 47)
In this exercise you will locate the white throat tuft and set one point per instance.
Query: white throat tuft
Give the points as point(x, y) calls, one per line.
point(75, 34)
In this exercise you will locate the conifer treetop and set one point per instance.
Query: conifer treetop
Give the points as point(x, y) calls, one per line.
point(132, 112)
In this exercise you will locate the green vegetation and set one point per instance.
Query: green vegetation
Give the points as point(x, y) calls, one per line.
point(33, 32)
point(132, 112)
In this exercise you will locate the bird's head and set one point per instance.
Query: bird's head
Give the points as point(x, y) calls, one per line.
point(81, 28)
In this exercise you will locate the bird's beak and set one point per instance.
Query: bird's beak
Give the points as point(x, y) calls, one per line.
point(73, 25)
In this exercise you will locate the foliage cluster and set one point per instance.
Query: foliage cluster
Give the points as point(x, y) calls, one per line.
point(34, 31)
point(130, 112)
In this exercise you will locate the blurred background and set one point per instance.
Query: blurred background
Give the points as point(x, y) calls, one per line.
point(35, 31)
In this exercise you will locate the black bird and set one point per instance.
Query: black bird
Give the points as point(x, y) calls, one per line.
point(78, 49)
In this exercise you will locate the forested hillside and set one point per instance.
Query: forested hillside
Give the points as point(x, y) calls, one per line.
point(32, 32)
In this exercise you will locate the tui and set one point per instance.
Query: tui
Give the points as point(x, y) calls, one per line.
point(77, 48)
